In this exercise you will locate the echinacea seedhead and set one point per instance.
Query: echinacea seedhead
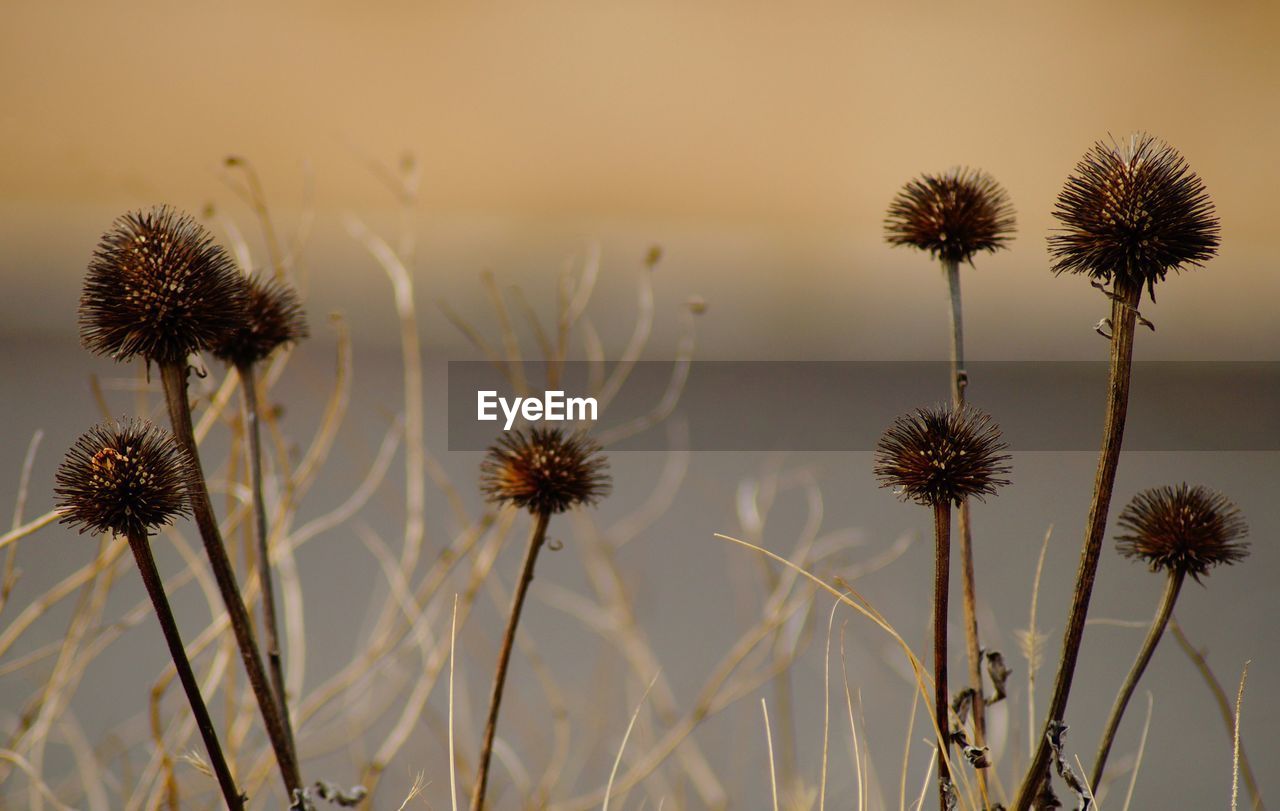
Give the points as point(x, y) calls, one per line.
point(545, 471)
point(1132, 212)
point(940, 455)
point(952, 215)
point(160, 287)
point(273, 317)
point(1185, 529)
point(127, 477)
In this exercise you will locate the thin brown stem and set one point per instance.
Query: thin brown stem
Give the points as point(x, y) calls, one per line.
point(1123, 319)
point(941, 589)
point(270, 622)
point(155, 589)
point(536, 539)
point(174, 377)
point(973, 645)
point(1163, 612)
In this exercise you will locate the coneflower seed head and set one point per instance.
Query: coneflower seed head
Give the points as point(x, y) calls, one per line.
point(126, 477)
point(940, 455)
point(1183, 528)
point(1132, 212)
point(952, 215)
point(545, 470)
point(273, 317)
point(160, 287)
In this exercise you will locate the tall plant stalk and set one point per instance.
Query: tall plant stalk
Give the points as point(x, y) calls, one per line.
point(1172, 586)
point(141, 547)
point(174, 377)
point(537, 538)
point(941, 590)
point(973, 646)
point(1124, 315)
point(270, 622)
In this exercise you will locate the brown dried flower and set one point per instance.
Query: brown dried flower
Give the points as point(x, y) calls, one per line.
point(952, 215)
point(1132, 212)
point(1183, 528)
point(941, 455)
point(125, 478)
point(273, 317)
point(160, 287)
point(545, 470)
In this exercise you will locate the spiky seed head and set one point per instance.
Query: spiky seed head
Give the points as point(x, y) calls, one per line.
point(545, 470)
point(273, 317)
point(942, 455)
point(127, 477)
point(1185, 529)
point(952, 215)
point(160, 287)
point(1131, 212)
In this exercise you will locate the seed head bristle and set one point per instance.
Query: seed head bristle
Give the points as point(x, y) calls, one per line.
point(124, 477)
point(273, 317)
point(1183, 528)
point(941, 455)
point(952, 215)
point(160, 287)
point(545, 470)
point(1132, 212)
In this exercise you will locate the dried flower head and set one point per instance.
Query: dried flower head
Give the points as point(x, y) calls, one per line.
point(1132, 212)
point(941, 455)
point(1185, 529)
point(273, 317)
point(952, 215)
point(125, 478)
point(160, 287)
point(545, 470)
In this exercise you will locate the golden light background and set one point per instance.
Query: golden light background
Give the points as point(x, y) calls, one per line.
point(759, 143)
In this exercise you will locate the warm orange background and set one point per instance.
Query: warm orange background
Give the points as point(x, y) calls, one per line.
point(759, 142)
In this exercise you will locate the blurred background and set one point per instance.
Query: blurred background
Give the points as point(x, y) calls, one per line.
point(758, 144)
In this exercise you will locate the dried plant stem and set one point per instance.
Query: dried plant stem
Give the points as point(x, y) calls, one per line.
point(973, 645)
point(1223, 704)
point(1123, 319)
point(536, 540)
point(1163, 612)
point(174, 378)
point(941, 588)
point(155, 589)
point(270, 622)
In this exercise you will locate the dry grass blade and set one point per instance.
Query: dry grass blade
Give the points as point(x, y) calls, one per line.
point(1235, 742)
point(453, 763)
point(1142, 748)
point(617, 761)
point(768, 737)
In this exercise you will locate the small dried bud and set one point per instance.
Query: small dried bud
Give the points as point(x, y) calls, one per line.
point(941, 455)
point(273, 317)
point(1186, 529)
point(158, 286)
point(545, 471)
point(124, 478)
point(952, 215)
point(1132, 212)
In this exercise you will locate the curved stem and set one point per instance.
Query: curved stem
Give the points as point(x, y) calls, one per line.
point(174, 377)
point(155, 589)
point(973, 646)
point(1124, 313)
point(1158, 624)
point(270, 623)
point(536, 539)
point(941, 589)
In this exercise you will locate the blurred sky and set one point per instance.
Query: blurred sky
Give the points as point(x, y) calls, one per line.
point(759, 143)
